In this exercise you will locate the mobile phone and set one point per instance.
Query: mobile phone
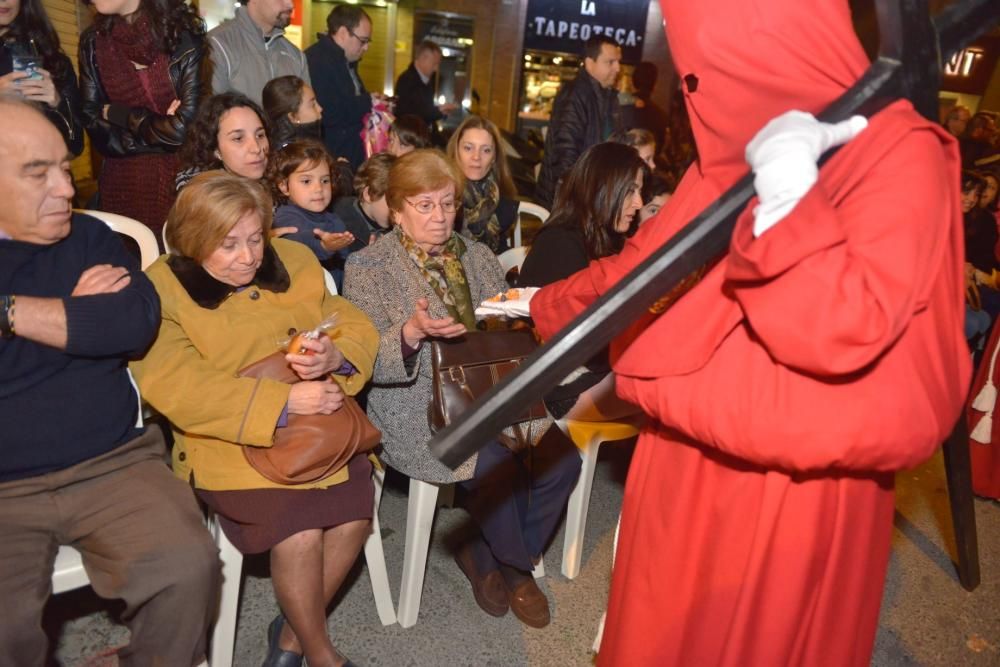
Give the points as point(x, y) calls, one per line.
point(29, 65)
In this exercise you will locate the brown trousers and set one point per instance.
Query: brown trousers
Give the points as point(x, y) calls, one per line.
point(142, 540)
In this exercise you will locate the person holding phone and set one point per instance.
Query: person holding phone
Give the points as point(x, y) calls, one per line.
point(140, 83)
point(34, 67)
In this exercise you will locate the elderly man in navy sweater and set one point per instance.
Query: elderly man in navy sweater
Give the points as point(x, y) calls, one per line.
point(74, 467)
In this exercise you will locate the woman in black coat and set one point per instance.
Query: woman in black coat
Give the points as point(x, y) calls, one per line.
point(595, 210)
point(139, 78)
point(27, 35)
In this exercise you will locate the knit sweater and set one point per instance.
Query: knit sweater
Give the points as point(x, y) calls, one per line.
point(61, 407)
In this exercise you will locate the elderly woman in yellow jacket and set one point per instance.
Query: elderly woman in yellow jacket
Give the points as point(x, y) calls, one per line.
point(229, 294)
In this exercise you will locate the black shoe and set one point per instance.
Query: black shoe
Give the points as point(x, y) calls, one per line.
point(276, 657)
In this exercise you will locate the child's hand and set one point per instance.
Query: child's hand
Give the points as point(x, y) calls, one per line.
point(334, 241)
point(281, 231)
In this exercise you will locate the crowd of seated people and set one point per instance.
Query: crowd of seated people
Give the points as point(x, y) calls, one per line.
point(979, 144)
point(982, 254)
point(253, 207)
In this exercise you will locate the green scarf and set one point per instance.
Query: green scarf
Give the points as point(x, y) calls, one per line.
point(445, 274)
point(479, 211)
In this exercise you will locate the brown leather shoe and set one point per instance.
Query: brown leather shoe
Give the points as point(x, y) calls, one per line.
point(489, 590)
point(529, 604)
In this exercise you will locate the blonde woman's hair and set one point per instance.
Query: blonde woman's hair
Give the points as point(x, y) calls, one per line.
point(500, 168)
point(208, 207)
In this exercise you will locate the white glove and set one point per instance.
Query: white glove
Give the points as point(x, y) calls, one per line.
point(513, 308)
point(783, 157)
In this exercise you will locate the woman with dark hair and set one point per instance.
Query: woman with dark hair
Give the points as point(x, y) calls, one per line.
point(595, 210)
point(33, 66)
point(139, 78)
point(291, 107)
point(229, 132)
point(488, 208)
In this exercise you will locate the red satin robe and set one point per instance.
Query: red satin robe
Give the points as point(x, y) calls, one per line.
point(791, 382)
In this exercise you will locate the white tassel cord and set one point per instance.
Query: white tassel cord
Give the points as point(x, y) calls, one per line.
point(986, 401)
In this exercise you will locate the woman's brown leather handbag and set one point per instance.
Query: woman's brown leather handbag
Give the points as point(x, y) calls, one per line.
point(310, 447)
point(466, 368)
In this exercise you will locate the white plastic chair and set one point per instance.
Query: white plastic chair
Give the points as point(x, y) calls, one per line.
point(420, 508)
point(588, 437)
point(331, 284)
point(69, 574)
point(527, 208)
point(224, 634)
point(163, 234)
point(140, 233)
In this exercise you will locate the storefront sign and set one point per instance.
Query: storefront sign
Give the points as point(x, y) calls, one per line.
point(970, 69)
point(564, 25)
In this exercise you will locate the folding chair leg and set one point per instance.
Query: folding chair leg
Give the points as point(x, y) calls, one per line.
point(375, 557)
point(419, 520)
point(576, 512)
point(958, 471)
point(224, 632)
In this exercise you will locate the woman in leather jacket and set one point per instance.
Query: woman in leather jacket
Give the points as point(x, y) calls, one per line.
point(139, 79)
point(25, 30)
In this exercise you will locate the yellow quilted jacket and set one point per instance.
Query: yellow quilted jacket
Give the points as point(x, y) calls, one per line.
point(189, 374)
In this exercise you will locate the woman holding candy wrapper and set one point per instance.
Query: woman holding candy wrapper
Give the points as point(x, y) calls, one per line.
point(229, 294)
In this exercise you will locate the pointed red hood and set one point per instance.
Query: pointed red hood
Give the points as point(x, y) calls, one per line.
point(754, 60)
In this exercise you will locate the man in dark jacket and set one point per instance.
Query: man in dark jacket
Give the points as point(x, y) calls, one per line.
point(415, 87)
point(77, 466)
point(585, 112)
point(333, 67)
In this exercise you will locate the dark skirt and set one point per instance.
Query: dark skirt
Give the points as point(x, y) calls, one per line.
point(255, 520)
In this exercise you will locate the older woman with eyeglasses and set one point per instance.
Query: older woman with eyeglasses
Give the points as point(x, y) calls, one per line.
point(421, 282)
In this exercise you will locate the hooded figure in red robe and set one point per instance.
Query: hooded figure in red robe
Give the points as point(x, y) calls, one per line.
point(787, 387)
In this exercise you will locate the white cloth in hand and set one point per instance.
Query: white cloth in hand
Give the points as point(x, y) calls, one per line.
point(513, 308)
point(783, 156)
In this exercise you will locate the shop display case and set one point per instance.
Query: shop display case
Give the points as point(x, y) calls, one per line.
point(543, 73)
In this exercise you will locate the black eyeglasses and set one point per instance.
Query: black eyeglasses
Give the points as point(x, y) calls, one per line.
point(365, 41)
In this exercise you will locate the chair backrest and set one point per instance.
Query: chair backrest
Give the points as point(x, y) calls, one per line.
point(163, 233)
point(138, 232)
point(331, 284)
point(527, 208)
